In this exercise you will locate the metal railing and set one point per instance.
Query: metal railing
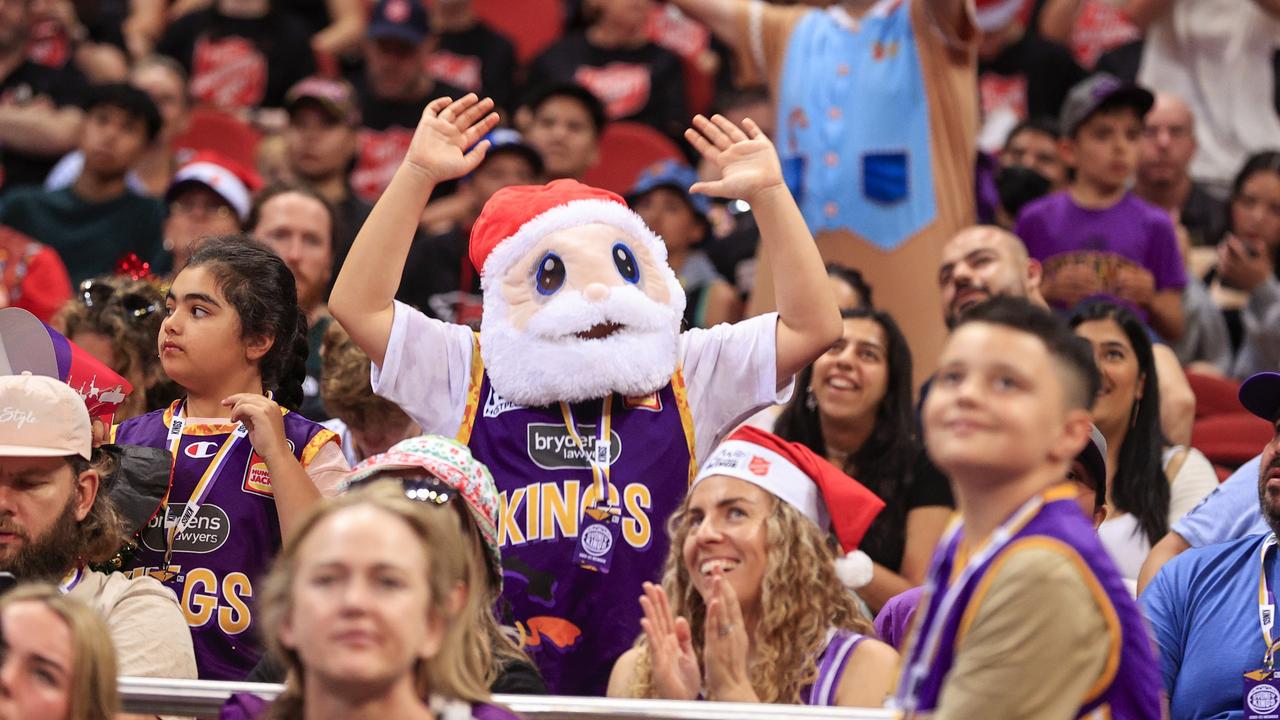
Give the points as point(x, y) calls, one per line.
point(205, 697)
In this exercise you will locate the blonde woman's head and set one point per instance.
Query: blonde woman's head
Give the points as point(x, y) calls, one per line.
point(58, 662)
point(364, 596)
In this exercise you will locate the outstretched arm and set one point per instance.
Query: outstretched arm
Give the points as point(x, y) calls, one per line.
point(720, 16)
point(363, 295)
point(808, 318)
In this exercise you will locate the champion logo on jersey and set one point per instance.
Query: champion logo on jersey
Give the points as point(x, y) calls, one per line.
point(201, 450)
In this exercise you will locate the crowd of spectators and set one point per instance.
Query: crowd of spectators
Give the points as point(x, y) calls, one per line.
point(1052, 221)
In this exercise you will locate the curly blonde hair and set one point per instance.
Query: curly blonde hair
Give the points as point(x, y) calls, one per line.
point(801, 599)
point(453, 673)
point(345, 387)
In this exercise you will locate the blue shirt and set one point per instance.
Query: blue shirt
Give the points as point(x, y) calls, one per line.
point(1203, 610)
point(1228, 513)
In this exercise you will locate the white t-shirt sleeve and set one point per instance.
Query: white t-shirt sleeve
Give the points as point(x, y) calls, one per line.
point(426, 370)
point(731, 372)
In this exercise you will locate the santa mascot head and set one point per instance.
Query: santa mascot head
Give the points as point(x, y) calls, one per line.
point(579, 301)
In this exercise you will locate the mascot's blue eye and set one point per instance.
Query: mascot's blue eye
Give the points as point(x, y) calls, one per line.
point(550, 276)
point(626, 263)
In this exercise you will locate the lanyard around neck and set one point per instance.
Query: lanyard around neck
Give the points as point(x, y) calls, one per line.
point(1267, 603)
point(207, 480)
point(922, 655)
point(599, 457)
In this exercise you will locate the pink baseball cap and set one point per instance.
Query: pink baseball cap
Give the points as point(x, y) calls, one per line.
point(42, 417)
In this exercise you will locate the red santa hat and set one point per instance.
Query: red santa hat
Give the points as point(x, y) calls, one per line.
point(516, 217)
point(796, 475)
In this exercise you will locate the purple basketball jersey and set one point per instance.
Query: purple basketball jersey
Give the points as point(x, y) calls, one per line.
point(223, 552)
point(576, 622)
point(1131, 687)
point(831, 665)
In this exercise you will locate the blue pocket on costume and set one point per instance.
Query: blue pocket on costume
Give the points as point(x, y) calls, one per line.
point(884, 177)
point(793, 175)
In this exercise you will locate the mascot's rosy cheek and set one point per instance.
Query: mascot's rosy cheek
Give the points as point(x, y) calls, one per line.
point(579, 301)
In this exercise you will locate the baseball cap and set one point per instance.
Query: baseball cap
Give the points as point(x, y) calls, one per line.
point(452, 464)
point(1094, 456)
point(1260, 395)
point(671, 174)
point(504, 140)
point(1097, 91)
point(335, 97)
point(42, 417)
point(225, 177)
point(404, 20)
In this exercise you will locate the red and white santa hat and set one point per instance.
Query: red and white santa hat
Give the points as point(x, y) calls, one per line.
point(796, 475)
point(993, 15)
point(516, 217)
point(231, 181)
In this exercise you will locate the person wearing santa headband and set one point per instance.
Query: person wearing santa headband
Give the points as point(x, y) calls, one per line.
point(751, 608)
point(1023, 613)
point(580, 379)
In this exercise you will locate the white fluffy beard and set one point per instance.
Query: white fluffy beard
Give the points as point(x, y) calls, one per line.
point(547, 362)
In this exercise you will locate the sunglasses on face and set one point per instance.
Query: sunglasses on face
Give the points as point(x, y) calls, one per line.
point(98, 294)
point(424, 488)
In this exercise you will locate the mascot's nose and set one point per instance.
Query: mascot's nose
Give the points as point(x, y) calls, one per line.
point(595, 292)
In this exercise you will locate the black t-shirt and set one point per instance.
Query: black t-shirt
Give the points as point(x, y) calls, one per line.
point(1033, 76)
point(352, 213)
point(237, 63)
point(734, 255)
point(645, 84)
point(1203, 215)
point(440, 281)
point(925, 486)
point(477, 60)
point(314, 14)
point(383, 139)
point(29, 81)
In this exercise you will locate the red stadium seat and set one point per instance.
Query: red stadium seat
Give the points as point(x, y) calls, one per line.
point(223, 133)
point(1214, 395)
point(1230, 440)
point(626, 149)
point(531, 25)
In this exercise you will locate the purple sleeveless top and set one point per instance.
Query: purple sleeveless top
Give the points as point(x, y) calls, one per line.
point(576, 622)
point(1131, 687)
point(835, 657)
point(224, 551)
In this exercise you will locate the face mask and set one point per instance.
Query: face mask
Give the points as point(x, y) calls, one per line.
point(1018, 185)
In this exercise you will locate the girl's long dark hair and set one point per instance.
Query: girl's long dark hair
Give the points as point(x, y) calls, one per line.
point(887, 456)
point(1140, 487)
point(261, 288)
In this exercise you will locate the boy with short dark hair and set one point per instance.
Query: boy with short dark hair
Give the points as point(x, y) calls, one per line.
point(563, 122)
point(98, 221)
point(1023, 614)
point(1096, 237)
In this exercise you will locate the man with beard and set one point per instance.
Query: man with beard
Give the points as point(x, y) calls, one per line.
point(299, 224)
point(1212, 609)
point(580, 393)
point(984, 261)
point(56, 519)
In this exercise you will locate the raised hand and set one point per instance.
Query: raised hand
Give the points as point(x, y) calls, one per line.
point(675, 665)
point(445, 131)
point(261, 416)
point(747, 161)
point(725, 647)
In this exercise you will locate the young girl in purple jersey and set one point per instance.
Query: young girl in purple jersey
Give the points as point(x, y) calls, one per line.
point(245, 466)
point(363, 605)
